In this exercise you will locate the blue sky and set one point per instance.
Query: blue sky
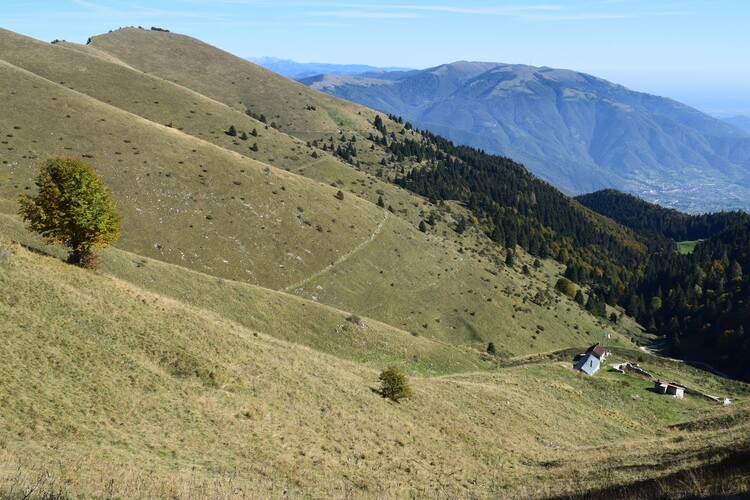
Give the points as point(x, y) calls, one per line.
point(685, 49)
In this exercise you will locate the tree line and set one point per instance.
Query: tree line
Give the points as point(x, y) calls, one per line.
point(697, 302)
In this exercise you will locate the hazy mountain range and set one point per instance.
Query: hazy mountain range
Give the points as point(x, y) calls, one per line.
point(740, 121)
point(294, 69)
point(579, 132)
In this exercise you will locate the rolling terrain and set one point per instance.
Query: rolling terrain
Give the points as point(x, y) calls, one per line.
point(223, 409)
point(230, 343)
point(251, 220)
point(579, 132)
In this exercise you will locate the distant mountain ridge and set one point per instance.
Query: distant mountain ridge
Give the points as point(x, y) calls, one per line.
point(740, 121)
point(294, 69)
point(577, 131)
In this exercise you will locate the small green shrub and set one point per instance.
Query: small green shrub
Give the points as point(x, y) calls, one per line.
point(491, 348)
point(566, 287)
point(354, 319)
point(393, 384)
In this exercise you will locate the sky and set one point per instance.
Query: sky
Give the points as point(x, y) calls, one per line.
point(694, 51)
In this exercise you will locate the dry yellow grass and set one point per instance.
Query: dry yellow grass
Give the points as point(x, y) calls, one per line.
point(230, 345)
point(287, 317)
point(189, 199)
point(233, 81)
point(107, 385)
point(183, 200)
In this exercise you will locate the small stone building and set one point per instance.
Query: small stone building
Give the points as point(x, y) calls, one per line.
point(675, 390)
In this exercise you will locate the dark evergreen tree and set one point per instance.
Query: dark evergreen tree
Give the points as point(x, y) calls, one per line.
point(510, 257)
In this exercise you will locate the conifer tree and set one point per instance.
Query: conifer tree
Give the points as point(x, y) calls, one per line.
point(510, 257)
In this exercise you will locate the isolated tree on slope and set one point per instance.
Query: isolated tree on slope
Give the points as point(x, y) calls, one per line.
point(393, 384)
point(73, 208)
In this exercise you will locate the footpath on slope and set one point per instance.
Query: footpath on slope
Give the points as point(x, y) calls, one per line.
point(651, 349)
point(343, 258)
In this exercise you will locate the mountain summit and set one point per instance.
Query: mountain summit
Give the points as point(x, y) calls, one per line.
point(577, 131)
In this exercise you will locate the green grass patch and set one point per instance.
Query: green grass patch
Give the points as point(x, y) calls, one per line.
point(340, 120)
point(686, 247)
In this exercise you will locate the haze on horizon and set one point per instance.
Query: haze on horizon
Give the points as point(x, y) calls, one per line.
point(692, 51)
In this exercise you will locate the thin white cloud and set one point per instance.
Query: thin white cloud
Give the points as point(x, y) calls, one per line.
point(385, 11)
point(534, 12)
point(541, 12)
point(94, 7)
point(118, 10)
point(588, 16)
point(313, 24)
point(363, 14)
point(498, 11)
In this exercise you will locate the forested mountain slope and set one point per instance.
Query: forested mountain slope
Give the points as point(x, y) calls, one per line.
point(577, 131)
point(699, 301)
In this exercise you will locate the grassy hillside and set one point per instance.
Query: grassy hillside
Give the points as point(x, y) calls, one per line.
point(230, 344)
point(225, 410)
point(189, 199)
point(220, 208)
point(103, 77)
point(287, 317)
point(239, 220)
point(231, 80)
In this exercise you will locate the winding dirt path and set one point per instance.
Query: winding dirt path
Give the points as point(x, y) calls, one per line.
point(697, 364)
point(344, 257)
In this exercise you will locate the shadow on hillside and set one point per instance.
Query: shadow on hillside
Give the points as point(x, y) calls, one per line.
point(36, 250)
point(726, 478)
